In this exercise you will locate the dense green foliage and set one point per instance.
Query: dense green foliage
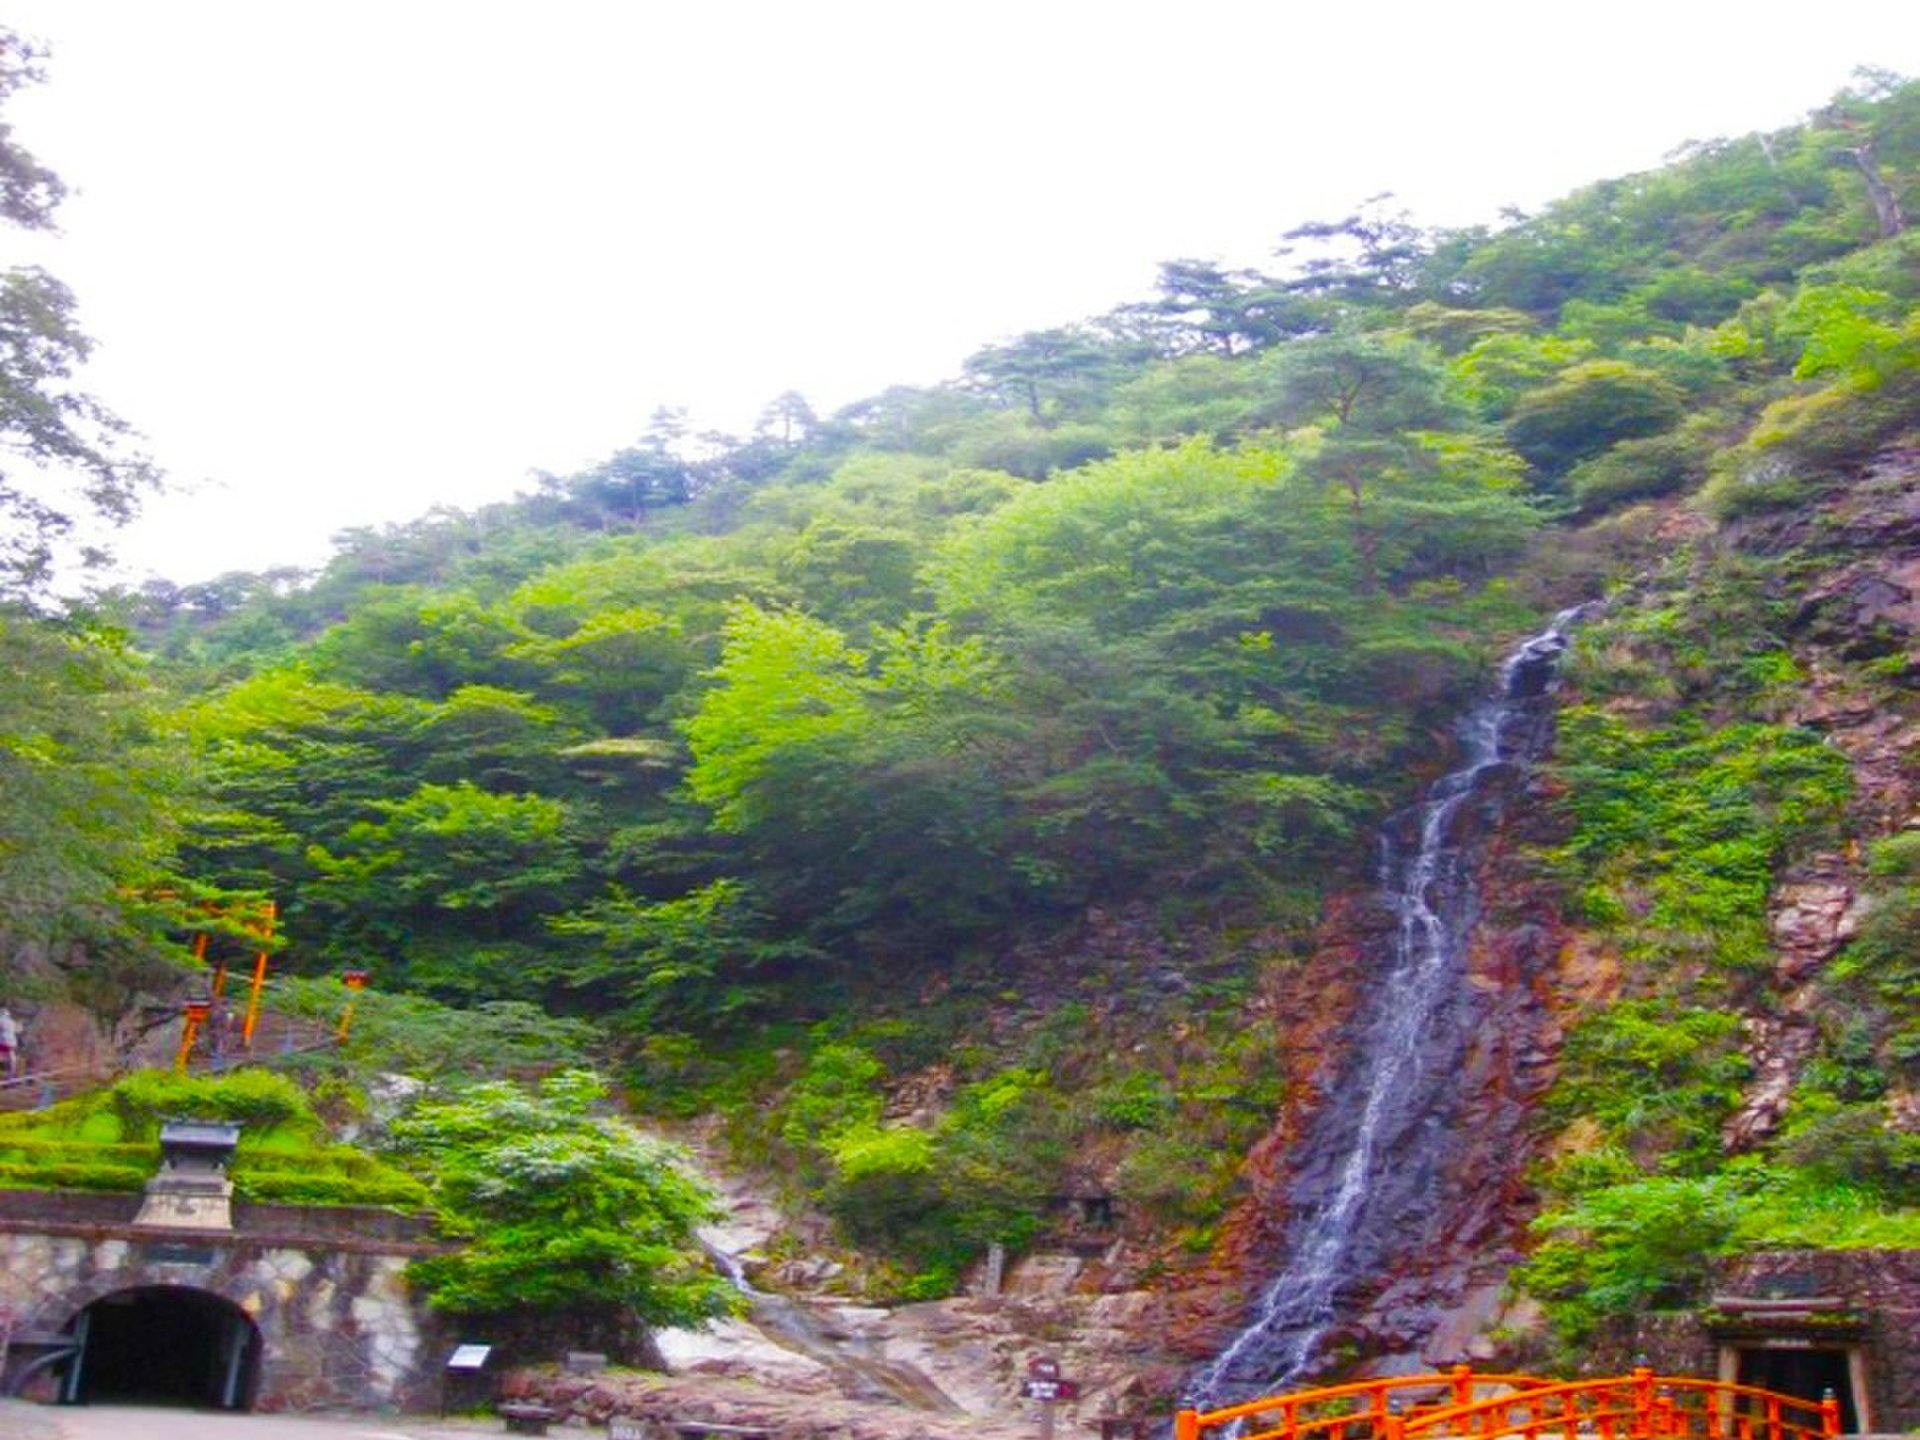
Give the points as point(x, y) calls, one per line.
point(1881, 969)
point(1689, 797)
point(559, 1205)
point(1166, 600)
point(1678, 830)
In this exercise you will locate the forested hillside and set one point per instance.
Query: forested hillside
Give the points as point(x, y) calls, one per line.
point(935, 789)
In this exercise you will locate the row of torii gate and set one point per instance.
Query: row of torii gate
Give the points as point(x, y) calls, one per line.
point(255, 920)
point(1461, 1404)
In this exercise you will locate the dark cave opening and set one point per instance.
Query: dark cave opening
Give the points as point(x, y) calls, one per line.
point(166, 1345)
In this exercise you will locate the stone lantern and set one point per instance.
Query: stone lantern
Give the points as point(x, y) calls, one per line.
point(192, 1191)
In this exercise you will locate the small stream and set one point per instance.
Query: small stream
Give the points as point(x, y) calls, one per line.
point(858, 1370)
point(1366, 1174)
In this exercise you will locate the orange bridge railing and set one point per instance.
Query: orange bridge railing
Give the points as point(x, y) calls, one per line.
point(1453, 1406)
point(1344, 1412)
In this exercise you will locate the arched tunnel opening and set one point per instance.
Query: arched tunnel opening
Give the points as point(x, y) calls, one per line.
point(164, 1345)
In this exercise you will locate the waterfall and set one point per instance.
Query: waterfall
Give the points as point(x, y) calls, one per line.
point(1365, 1172)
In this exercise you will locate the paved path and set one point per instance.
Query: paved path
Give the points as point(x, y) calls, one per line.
point(19, 1421)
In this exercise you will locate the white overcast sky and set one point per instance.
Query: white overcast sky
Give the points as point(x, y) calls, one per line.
point(348, 260)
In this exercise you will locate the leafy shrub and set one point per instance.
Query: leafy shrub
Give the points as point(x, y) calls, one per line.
point(1657, 1077)
point(1851, 1144)
point(1677, 829)
point(564, 1207)
point(885, 1182)
point(386, 1187)
point(1804, 442)
point(1178, 1179)
point(257, 1099)
point(1139, 1102)
point(72, 1175)
point(1613, 1252)
point(838, 1093)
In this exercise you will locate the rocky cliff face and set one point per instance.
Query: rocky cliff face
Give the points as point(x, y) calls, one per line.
point(1524, 969)
point(1853, 594)
point(1860, 601)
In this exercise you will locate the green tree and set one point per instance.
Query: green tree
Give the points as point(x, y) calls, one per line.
point(1366, 384)
point(1202, 306)
point(1862, 336)
point(560, 1206)
point(1628, 1248)
point(1049, 374)
point(1588, 407)
point(707, 957)
point(93, 791)
point(448, 887)
point(784, 679)
point(1374, 254)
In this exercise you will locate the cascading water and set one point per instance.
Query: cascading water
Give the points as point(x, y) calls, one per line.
point(858, 1370)
point(1366, 1174)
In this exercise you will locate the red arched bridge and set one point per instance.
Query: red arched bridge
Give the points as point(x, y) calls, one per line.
point(1464, 1405)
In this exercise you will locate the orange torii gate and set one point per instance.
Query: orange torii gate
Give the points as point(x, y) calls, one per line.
point(255, 919)
point(1640, 1406)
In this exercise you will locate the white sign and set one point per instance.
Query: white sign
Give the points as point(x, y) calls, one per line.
point(469, 1357)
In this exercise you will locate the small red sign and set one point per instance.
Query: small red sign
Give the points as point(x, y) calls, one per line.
point(1043, 1367)
point(1049, 1391)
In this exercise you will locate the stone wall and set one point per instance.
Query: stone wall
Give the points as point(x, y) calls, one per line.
point(303, 1224)
point(338, 1325)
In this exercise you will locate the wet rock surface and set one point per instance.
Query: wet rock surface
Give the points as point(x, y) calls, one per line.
point(1402, 1183)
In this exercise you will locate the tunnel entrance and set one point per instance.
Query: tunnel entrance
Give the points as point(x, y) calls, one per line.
point(165, 1345)
point(1806, 1371)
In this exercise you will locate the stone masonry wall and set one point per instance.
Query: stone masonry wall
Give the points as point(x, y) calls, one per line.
point(338, 1326)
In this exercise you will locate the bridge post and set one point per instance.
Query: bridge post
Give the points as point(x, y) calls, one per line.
point(1186, 1425)
point(1642, 1402)
point(1829, 1414)
point(1462, 1384)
